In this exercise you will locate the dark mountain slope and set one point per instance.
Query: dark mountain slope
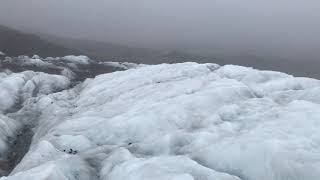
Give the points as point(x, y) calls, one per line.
point(103, 50)
point(115, 52)
point(15, 43)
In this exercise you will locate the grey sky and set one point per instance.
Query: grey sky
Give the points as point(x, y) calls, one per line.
point(287, 28)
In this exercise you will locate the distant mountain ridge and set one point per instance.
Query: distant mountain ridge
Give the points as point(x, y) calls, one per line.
point(102, 50)
point(14, 43)
point(121, 53)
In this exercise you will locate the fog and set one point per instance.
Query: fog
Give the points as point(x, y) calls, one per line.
point(280, 28)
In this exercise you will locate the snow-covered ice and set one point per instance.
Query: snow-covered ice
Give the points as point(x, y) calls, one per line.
point(73, 67)
point(20, 86)
point(124, 65)
point(15, 88)
point(183, 121)
point(77, 59)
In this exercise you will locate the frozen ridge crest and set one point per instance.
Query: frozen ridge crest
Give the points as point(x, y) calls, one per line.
point(183, 121)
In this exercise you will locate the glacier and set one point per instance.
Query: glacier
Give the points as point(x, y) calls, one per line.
point(184, 121)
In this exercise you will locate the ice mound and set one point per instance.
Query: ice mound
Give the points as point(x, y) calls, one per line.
point(20, 86)
point(183, 121)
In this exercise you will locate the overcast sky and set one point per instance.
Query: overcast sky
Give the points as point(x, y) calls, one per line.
point(279, 27)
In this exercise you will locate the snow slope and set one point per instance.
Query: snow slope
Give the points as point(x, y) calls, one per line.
point(184, 121)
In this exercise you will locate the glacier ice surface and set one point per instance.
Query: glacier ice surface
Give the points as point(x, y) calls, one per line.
point(183, 121)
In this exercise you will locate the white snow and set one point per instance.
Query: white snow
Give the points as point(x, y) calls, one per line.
point(183, 121)
point(122, 165)
point(2, 53)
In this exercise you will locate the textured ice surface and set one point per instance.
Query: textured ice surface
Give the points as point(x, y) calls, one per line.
point(15, 88)
point(184, 121)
